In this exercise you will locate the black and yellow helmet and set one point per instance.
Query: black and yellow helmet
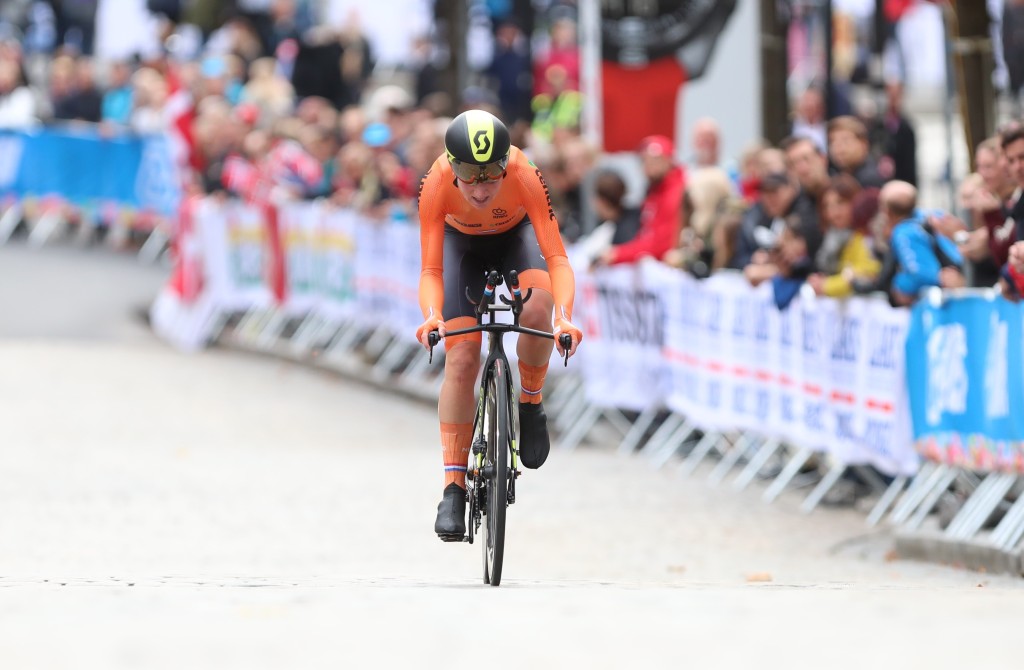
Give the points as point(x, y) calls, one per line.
point(477, 143)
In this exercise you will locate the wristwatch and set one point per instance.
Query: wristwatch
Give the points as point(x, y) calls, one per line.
point(650, 48)
point(636, 32)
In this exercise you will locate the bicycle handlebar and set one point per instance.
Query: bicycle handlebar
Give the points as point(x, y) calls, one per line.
point(486, 305)
point(565, 339)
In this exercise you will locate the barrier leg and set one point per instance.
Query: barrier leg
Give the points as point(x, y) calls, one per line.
point(666, 440)
point(153, 246)
point(9, 221)
point(618, 420)
point(903, 508)
point(787, 474)
point(271, 330)
point(932, 497)
point(887, 499)
point(571, 412)
point(564, 389)
point(244, 331)
point(919, 488)
point(345, 342)
point(1010, 530)
point(977, 508)
point(822, 489)
point(757, 462)
point(740, 448)
point(392, 357)
point(301, 340)
point(632, 441)
point(379, 340)
point(580, 428)
point(700, 450)
point(49, 223)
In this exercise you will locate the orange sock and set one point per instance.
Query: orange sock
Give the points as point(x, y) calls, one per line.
point(455, 442)
point(532, 378)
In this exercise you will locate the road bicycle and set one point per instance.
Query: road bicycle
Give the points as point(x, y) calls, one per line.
point(494, 457)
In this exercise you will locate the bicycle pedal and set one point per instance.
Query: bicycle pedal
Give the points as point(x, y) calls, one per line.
point(453, 537)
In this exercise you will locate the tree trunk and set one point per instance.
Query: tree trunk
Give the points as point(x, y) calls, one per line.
point(774, 95)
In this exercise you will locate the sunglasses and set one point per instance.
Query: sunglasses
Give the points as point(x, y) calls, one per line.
point(478, 174)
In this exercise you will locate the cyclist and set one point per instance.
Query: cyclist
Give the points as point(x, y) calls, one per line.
point(485, 205)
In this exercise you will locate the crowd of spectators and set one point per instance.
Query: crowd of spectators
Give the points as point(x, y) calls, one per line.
point(834, 209)
point(272, 103)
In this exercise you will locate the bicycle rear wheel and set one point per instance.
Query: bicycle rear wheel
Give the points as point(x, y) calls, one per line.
point(495, 429)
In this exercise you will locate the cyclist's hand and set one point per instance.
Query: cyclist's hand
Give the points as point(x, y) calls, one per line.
point(432, 323)
point(564, 326)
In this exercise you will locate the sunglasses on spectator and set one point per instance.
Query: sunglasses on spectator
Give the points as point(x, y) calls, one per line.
point(478, 174)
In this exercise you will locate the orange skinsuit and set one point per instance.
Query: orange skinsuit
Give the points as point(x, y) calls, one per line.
point(523, 193)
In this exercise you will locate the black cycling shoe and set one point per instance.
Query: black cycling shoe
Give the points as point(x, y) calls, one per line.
point(534, 443)
point(451, 514)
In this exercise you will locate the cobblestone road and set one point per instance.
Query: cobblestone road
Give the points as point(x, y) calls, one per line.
point(222, 510)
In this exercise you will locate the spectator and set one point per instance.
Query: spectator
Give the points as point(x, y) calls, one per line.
point(923, 256)
point(332, 66)
point(845, 255)
point(562, 51)
point(271, 93)
point(808, 164)
point(510, 70)
point(1013, 150)
point(1013, 48)
point(558, 109)
point(705, 143)
point(149, 92)
point(707, 193)
point(809, 118)
point(18, 109)
point(565, 174)
point(899, 152)
point(779, 199)
point(659, 214)
point(117, 101)
point(618, 223)
point(83, 102)
point(984, 198)
point(793, 264)
point(76, 24)
point(849, 151)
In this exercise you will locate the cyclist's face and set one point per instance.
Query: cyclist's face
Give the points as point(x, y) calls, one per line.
point(479, 194)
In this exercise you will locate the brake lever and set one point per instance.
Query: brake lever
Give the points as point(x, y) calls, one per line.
point(565, 339)
point(433, 337)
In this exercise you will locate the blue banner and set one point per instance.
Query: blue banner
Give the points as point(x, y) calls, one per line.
point(85, 168)
point(965, 376)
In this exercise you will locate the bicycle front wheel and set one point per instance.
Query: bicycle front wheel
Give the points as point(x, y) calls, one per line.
point(495, 425)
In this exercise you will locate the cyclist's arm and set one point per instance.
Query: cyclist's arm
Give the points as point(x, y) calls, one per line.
point(537, 201)
point(431, 245)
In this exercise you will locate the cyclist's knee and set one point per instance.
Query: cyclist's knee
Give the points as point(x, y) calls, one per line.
point(537, 311)
point(461, 363)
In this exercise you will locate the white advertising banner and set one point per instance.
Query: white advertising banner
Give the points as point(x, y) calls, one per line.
point(234, 237)
point(335, 262)
point(822, 373)
point(621, 361)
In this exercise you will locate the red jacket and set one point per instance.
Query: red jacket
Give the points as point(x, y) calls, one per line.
point(659, 220)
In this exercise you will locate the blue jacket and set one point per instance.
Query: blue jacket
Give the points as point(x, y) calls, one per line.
point(918, 264)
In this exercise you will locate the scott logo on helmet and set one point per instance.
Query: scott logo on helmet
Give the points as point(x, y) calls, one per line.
point(482, 143)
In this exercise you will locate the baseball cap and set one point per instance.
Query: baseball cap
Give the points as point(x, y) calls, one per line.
point(657, 145)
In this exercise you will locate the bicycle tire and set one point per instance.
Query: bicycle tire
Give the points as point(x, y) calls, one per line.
point(496, 426)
